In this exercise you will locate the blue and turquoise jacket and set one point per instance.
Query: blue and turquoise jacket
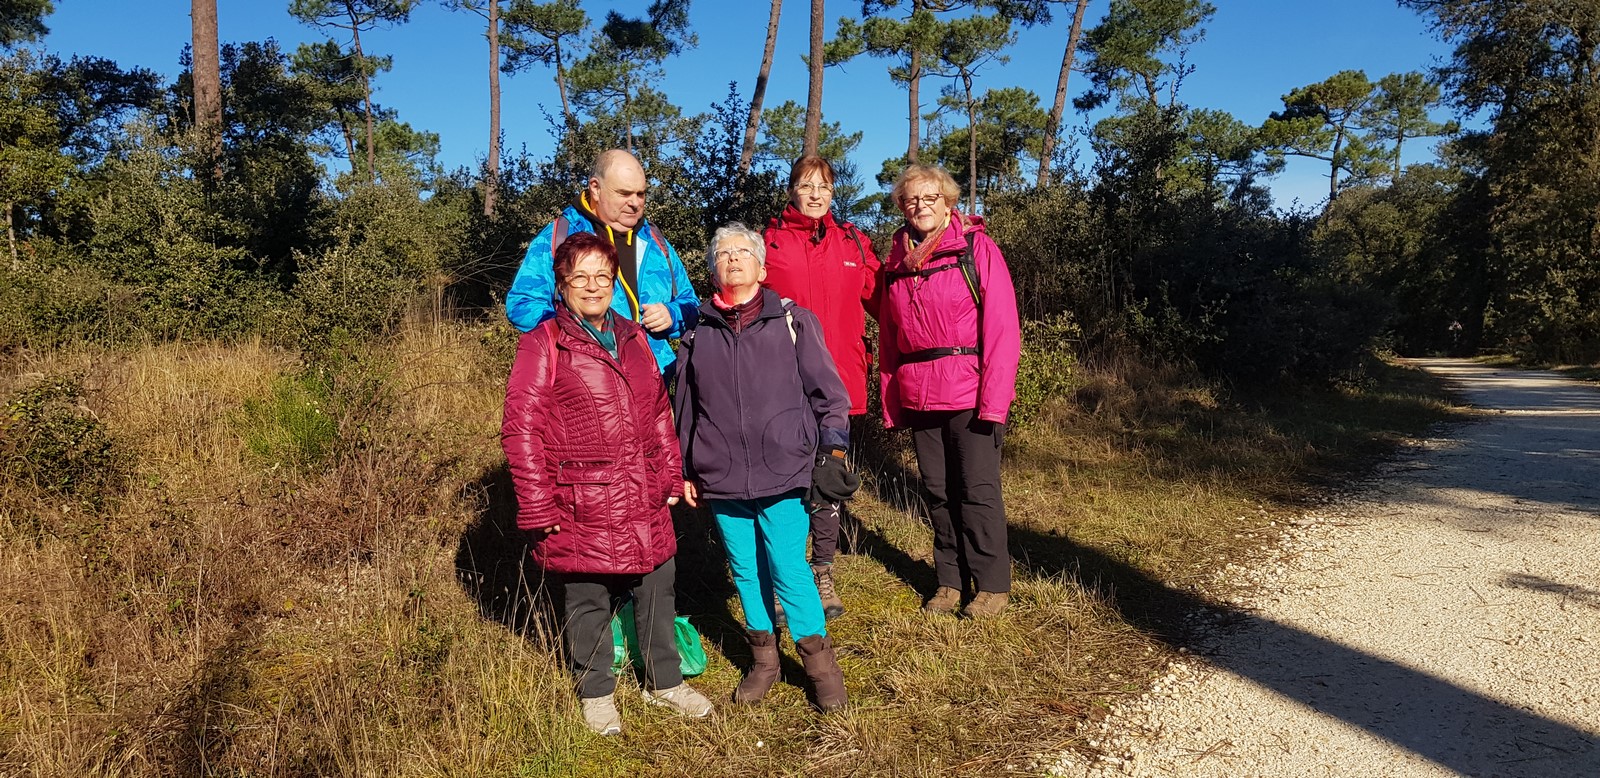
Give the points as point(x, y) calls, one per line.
point(662, 279)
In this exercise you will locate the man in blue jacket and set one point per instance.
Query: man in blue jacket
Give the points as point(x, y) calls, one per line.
point(653, 285)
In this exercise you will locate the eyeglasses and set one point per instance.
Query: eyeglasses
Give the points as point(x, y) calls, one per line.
point(926, 201)
point(810, 188)
point(581, 281)
point(741, 254)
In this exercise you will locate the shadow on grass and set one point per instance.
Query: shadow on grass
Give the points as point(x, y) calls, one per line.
point(1454, 727)
point(493, 567)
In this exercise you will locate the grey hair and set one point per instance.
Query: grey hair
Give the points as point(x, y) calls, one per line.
point(735, 229)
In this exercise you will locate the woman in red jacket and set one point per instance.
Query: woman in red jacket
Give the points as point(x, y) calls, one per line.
point(828, 268)
point(589, 437)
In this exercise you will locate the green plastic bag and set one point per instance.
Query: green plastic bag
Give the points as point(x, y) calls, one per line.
point(625, 644)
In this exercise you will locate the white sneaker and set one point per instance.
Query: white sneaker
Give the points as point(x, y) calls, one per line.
point(600, 715)
point(682, 698)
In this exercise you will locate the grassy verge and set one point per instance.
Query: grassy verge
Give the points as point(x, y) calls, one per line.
point(1589, 373)
point(272, 593)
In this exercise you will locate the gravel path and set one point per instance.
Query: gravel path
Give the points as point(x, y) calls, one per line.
point(1444, 621)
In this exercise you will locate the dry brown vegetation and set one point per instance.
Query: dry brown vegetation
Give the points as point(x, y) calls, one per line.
point(301, 572)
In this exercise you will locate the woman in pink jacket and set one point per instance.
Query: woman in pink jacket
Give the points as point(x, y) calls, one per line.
point(949, 344)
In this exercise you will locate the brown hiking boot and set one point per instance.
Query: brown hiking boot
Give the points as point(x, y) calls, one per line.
point(986, 605)
point(822, 667)
point(945, 600)
point(763, 672)
point(832, 606)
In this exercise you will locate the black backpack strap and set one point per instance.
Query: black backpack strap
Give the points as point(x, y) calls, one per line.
point(969, 271)
point(855, 235)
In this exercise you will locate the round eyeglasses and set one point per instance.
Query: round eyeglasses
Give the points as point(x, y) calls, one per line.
point(581, 281)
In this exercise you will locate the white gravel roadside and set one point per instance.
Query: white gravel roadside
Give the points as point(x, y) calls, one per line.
point(1443, 621)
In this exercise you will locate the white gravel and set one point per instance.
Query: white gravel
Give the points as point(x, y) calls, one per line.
point(1444, 620)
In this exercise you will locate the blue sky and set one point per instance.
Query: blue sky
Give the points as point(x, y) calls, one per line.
point(1254, 52)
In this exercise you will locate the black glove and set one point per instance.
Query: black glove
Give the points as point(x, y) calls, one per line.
point(993, 429)
point(831, 479)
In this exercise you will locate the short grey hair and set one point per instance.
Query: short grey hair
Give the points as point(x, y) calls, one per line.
point(735, 229)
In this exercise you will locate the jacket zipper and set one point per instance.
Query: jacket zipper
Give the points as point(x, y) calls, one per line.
point(738, 399)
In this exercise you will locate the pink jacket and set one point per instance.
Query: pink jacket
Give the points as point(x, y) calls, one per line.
point(936, 310)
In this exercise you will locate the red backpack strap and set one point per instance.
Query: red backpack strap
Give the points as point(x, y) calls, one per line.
point(559, 236)
point(551, 329)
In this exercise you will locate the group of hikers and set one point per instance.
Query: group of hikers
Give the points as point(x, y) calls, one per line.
point(768, 374)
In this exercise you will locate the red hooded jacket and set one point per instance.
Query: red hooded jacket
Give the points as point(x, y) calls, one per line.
point(829, 269)
point(591, 446)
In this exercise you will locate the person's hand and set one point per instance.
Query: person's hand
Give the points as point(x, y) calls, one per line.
point(671, 501)
point(544, 532)
point(831, 479)
point(691, 494)
point(655, 317)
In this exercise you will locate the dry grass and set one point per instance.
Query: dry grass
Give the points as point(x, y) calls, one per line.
point(372, 615)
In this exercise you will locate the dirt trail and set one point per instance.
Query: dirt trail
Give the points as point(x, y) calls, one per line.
point(1444, 621)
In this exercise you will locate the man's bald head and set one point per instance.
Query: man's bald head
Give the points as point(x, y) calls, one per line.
point(617, 188)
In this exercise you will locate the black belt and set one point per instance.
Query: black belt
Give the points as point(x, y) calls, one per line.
point(934, 353)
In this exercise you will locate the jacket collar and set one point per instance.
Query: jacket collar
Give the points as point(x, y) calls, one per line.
point(771, 307)
point(793, 219)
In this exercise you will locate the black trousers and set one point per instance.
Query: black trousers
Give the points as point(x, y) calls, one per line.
point(586, 630)
point(825, 531)
point(825, 518)
point(959, 457)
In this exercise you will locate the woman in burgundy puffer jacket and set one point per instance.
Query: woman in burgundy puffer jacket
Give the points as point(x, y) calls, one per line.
point(589, 437)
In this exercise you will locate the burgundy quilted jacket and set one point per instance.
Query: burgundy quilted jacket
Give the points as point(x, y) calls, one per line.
point(591, 446)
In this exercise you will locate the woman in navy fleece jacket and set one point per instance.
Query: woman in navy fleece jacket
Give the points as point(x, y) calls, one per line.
point(763, 418)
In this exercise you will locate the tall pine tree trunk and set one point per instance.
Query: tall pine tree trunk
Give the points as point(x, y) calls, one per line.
point(1052, 127)
point(207, 77)
point(814, 98)
point(366, 95)
point(561, 86)
point(491, 184)
point(972, 146)
point(1333, 171)
point(913, 81)
point(754, 124)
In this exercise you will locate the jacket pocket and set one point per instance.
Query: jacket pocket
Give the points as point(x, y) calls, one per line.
point(590, 482)
point(572, 472)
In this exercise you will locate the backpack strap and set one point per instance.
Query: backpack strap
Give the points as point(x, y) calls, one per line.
point(855, 235)
point(661, 243)
point(788, 316)
point(969, 272)
point(551, 365)
point(559, 236)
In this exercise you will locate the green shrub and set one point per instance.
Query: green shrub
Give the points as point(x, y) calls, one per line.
point(1049, 358)
point(51, 441)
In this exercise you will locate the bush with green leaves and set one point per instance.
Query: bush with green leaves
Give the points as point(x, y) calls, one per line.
point(1049, 362)
point(52, 442)
point(390, 246)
